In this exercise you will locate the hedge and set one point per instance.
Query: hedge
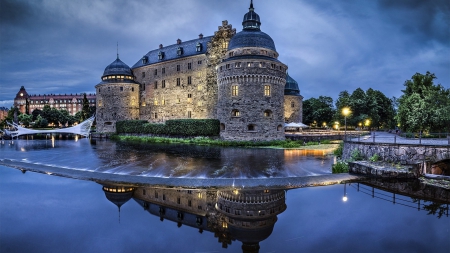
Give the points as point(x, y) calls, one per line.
point(178, 127)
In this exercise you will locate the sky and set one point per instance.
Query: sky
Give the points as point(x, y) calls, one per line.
point(60, 46)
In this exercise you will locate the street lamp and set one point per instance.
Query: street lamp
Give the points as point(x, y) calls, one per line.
point(345, 112)
point(367, 123)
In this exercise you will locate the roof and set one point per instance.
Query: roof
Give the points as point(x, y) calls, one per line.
point(250, 57)
point(291, 87)
point(251, 38)
point(117, 67)
point(170, 52)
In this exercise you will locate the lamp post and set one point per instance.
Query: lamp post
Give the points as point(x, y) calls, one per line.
point(345, 112)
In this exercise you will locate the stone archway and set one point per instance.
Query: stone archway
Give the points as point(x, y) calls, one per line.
point(440, 168)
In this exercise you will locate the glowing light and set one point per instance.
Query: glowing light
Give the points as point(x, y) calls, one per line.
point(344, 199)
point(346, 111)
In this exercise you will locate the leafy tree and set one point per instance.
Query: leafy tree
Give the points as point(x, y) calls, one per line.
point(35, 113)
point(9, 118)
point(40, 122)
point(318, 110)
point(85, 111)
point(25, 119)
point(424, 106)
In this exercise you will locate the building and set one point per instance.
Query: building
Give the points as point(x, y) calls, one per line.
point(3, 113)
point(73, 103)
point(233, 77)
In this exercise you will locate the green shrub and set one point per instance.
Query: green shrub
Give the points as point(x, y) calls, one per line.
point(356, 155)
point(178, 127)
point(340, 167)
point(325, 142)
point(375, 158)
point(339, 150)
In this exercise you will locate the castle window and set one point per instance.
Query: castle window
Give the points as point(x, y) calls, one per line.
point(163, 84)
point(163, 70)
point(237, 65)
point(267, 90)
point(189, 79)
point(279, 127)
point(249, 64)
point(222, 127)
point(143, 86)
point(200, 103)
point(156, 72)
point(132, 88)
point(144, 60)
point(163, 101)
point(121, 88)
point(178, 67)
point(156, 195)
point(261, 64)
point(178, 81)
point(225, 45)
point(155, 116)
point(273, 65)
point(235, 113)
point(268, 113)
point(156, 85)
point(161, 55)
point(251, 127)
point(109, 89)
point(230, 54)
point(234, 90)
point(199, 62)
point(189, 95)
point(189, 65)
point(198, 47)
point(189, 203)
point(143, 74)
point(292, 104)
point(228, 66)
point(199, 88)
point(178, 200)
point(189, 114)
point(155, 102)
point(179, 51)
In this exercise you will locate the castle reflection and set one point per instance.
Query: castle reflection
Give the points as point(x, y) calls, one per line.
point(248, 216)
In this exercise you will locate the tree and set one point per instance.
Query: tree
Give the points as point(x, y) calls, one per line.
point(35, 113)
point(25, 119)
point(85, 110)
point(27, 106)
point(318, 110)
point(424, 106)
point(40, 122)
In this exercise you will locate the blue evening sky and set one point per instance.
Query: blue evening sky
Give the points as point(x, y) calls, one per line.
point(58, 46)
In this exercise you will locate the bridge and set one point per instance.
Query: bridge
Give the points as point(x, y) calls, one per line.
point(83, 129)
point(434, 154)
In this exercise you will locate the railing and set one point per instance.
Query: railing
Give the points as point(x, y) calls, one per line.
point(432, 208)
point(403, 138)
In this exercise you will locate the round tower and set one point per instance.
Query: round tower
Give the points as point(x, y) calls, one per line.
point(251, 85)
point(293, 101)
point(117, 96)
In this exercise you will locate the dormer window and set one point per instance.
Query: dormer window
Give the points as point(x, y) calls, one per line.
point(179, 51)
point(199, 47)
point(161, 55)
point(145, 60)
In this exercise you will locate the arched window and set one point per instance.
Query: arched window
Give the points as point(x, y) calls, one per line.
point(235, 113)
point(279, 128)
point(222, 127)
point(268, 113)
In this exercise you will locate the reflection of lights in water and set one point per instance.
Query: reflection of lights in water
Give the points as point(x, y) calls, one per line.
point(48, 173)
point(307, 152)
point(22, 149)
point(76, 137)
point(345, 193)
point(53, 141)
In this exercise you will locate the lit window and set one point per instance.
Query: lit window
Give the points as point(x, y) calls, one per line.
point(235, 113)
point(199, 88)
point(237, 65)
point(267, 113)
point(266, 90)
point(163, 101)
point(225, 45)
point(234, 90)
point(200, 103)
point(249, 64)
point(155, 102)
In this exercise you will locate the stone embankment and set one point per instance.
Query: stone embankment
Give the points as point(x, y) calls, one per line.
point(384, 170)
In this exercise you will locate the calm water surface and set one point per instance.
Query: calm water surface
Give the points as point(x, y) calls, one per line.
point(44, 213)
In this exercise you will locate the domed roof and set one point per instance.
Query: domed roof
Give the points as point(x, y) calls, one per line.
point(291, 87)
point(117, 67)
point(251, 38)
point(251, 35)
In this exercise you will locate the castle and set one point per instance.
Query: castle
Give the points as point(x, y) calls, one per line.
point(233, 77)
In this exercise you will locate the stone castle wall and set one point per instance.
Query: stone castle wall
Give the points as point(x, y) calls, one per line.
point(293, 109)
point(115, 102)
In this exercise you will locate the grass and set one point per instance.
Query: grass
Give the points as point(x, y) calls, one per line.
point(286, 144)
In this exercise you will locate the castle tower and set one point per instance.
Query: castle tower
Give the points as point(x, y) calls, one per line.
point(251, 85)
point(293, 101)
point(117, 96)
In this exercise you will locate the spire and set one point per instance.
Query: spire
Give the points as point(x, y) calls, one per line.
point(251, 6)
point(117, 50)
point(251, 19)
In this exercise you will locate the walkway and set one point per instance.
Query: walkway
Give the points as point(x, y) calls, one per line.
point(385, 137)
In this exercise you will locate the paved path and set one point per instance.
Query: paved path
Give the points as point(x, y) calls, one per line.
point(385, 137)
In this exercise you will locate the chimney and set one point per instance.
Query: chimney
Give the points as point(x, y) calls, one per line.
point(160, 46)
point(178, 41)
point(200, 36)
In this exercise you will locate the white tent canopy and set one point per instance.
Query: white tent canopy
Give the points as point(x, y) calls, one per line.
point(293, 124)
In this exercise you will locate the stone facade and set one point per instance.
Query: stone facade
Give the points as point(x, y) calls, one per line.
point(195, 78)
point(293, 109)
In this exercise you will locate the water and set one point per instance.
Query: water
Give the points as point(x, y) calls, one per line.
point(45, 213)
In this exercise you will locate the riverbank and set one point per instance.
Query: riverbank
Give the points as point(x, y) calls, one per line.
point(284, 144)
